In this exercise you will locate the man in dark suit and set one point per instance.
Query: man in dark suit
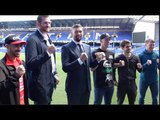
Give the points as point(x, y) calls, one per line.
point(76, 60)
point(40, 63)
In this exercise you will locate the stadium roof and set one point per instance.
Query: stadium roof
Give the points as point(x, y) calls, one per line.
point(116, 22)
point(145, 18)
point(8, 18)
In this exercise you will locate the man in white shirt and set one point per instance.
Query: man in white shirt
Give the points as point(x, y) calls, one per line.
point(41, 63)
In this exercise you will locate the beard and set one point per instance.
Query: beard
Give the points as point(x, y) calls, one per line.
point(78, 38)
point(128, 51)
point(45, 29)
point(16, 53)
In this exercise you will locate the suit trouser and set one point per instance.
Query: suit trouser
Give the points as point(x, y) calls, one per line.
point(46, 98)
point(78, 98)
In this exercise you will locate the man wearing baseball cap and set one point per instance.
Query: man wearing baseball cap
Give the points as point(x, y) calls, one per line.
point(103, 73)
point(12, 81)
point(105, 36)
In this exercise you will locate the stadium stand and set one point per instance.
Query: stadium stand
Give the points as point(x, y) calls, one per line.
point(60, 33)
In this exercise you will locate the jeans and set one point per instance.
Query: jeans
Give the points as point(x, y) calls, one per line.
point(154, 91)
point(107, 93)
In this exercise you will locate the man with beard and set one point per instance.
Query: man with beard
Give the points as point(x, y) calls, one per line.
point(13, 87)
point(40, 63)
point(76, 60)
point(127, 64)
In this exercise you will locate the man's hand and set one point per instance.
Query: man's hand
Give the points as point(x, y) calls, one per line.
point(83, 56)
point(20, 70)
point(56, 78)
point(149, 62)
point(158, 61)
point(100, 56)
point(121, 63)
point(115, 82)
point(139, 65)
point(51, 48)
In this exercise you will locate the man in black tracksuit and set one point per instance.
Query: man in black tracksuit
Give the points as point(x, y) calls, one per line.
point(127, 64)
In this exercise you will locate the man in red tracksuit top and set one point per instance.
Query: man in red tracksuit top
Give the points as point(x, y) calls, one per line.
point(12, 74)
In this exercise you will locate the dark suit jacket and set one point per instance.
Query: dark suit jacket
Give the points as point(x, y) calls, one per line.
point(78, 76)
point(39, 69)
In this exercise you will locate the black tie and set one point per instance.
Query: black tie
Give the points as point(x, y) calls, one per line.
point(80, 48)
